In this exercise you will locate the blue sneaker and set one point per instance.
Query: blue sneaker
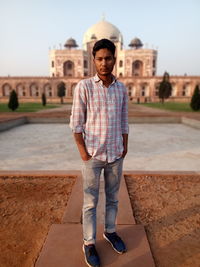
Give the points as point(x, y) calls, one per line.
point(116, 242)
point(91, 256)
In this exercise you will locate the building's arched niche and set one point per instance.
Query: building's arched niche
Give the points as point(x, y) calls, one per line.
point(34, 91)
point(121, 63)
point(68, 68)
point(186, 89)
point(6, 88)
point(144, 90)
point(20, 88)
point(137, 68)
point(85, 64)
point(131, 90)
point(48, 89)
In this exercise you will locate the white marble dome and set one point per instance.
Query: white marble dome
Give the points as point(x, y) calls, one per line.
point(100, 30)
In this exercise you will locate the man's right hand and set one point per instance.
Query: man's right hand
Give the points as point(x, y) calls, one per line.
point(86, 157)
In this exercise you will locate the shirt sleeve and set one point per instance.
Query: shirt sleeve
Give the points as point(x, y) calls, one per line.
point(78, 112)
point(124, 123)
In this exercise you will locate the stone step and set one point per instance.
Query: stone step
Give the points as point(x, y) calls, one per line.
point(63, 247)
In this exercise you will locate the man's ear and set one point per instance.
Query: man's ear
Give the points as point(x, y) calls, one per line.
point(114, 60)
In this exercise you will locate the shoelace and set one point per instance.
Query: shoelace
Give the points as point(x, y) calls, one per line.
point(115, 238)
point(92, 251)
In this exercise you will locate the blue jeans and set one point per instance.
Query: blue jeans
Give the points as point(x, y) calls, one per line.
point(91, 172)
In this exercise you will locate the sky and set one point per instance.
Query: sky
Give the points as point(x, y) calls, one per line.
point(29, 28)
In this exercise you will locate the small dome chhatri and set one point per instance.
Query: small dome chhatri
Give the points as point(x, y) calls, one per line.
point(70, 43)
point(136, 43)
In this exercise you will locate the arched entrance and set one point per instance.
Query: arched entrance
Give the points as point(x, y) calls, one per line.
point(68, 68)
point(137, 68)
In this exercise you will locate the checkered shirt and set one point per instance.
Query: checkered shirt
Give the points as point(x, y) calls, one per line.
point(101, 114)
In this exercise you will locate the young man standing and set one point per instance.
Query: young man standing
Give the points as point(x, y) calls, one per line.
point(99, 121)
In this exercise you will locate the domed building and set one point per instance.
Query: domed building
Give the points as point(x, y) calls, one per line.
point(135, 66)
point(71, 61)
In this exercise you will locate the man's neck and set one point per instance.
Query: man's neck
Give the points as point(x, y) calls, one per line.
point(106, 79)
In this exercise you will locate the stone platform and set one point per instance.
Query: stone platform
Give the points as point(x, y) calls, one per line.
point(63, 246)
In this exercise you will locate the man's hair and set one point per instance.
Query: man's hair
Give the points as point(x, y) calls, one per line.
point(104, 43)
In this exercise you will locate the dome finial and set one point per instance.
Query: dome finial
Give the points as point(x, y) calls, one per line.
point(103, 16)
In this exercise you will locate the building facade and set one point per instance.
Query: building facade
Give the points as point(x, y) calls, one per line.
point(135, 67)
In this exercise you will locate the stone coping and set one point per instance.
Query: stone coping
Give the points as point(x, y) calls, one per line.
point(9, 123)
point(76, 173)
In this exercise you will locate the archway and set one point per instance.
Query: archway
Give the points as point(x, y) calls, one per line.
point(137, 68)
point(6, 89)
point(47, 89)
point(34, 90)
point(68, 68)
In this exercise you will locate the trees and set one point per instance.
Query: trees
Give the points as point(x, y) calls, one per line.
point(13, 100)
point(165, 88)
point(61, 91)
point(44, 100)
point(195, 100)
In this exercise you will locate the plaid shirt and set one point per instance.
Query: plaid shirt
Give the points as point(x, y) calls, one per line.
point(101, 114)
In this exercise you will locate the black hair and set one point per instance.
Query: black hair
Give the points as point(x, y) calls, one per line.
point(104, 43)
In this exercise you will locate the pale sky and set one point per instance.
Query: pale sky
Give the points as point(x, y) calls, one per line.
point(28, 28)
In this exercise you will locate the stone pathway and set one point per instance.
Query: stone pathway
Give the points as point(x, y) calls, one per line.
point(63, 246)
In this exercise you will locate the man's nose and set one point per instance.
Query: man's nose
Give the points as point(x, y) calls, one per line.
point(103, 62)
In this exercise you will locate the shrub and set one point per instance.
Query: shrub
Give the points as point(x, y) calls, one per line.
point(13, 101)
point(44, 100)
point(195, 100)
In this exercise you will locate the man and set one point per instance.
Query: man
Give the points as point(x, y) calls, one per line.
point(99, 121)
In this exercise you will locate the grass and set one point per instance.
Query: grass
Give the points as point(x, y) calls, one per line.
point(172, 106)
point(27, 107)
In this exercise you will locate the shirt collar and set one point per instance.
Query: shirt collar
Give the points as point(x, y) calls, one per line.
point(97, 79)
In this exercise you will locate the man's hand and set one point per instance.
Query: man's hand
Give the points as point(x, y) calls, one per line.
point(81, 146)
point(86, 157)
point(124, 153)
point(125, 144)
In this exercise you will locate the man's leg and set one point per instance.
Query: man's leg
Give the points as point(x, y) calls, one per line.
point(91, 172)
point(112, 176)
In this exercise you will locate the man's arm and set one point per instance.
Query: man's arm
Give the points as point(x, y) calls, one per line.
point(125, 127)
point(81, 146)
point(78, 119)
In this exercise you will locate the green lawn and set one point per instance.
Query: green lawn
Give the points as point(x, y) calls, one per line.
point(173, 106)
point(27, 107)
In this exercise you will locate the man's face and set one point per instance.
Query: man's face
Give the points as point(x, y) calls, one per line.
point(104, 62)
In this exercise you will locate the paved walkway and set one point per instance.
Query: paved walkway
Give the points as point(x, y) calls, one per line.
point(63, 246)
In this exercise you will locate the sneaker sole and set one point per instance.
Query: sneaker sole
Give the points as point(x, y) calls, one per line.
point(119, 252)
point(86, 258)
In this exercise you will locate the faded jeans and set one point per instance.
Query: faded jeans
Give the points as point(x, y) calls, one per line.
point(91, 172)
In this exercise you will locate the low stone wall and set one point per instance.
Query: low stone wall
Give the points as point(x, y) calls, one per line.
point(9, 124)
point(191, 122)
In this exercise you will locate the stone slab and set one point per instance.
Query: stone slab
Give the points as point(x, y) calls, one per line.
point(63, 248)
point(73, 210)
point(125, 212)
